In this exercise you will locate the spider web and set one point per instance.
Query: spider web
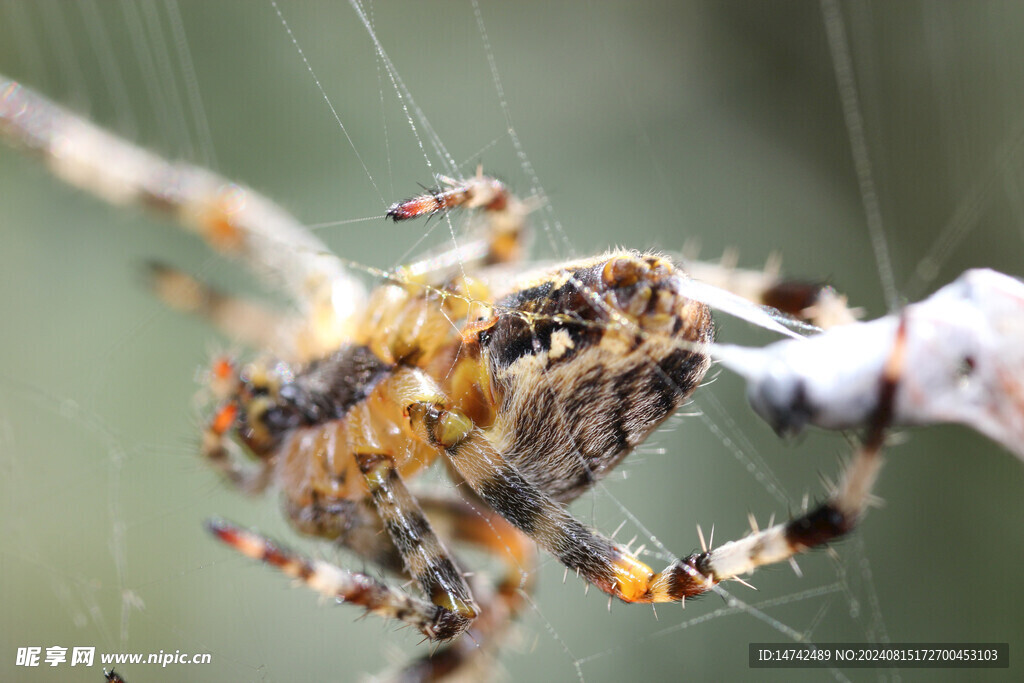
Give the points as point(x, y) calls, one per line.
point(648, 126)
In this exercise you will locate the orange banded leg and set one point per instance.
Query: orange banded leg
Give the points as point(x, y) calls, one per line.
point(500, 484)
point(505, 213)
point(426, 558)
point(829, 521)
point(241, 320)
point(815, 302)
point(613, 568)
point(355, 588)
point(229, 217)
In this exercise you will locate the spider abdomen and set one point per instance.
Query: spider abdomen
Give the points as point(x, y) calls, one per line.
point(587, 362)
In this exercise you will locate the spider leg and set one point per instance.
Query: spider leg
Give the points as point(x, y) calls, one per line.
point(241, 320)
point(354, 524)
point(831, 520)
point(451, 608)
point(473, 522)
point(357, 526)
point(500, 484)
point(615, 569)
point(425, 556)
point(502, 239)
point(472, 656)
point(843, 509)
point(356, 588)
point(231, 218)
point(813, 302)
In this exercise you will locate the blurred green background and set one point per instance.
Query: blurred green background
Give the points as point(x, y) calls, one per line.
point(648, 124)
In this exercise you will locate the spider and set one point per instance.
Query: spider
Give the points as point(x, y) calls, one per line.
point(529, 387)
point(229, 371)
point(529, 393)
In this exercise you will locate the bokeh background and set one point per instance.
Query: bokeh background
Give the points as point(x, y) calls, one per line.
point(648, 124)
